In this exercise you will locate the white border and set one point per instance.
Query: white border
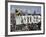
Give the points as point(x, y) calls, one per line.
point(24, 32)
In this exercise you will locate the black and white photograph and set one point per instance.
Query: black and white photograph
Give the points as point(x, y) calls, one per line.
point(25, 18)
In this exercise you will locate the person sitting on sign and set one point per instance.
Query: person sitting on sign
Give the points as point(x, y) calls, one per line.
point(18, 12)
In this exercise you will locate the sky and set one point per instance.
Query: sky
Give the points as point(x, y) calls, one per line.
point(26, 9)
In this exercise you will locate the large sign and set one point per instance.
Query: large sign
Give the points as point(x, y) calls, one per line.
point(28, 19)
